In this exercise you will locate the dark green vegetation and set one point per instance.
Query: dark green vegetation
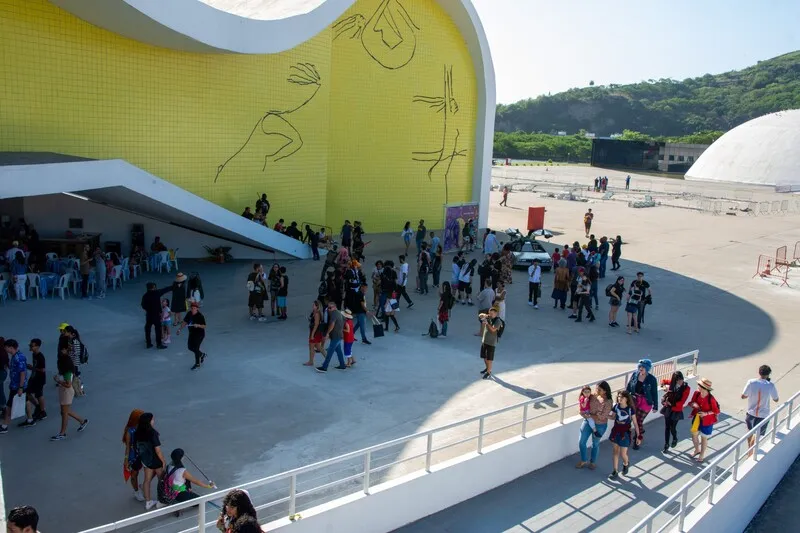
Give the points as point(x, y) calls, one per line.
point(658, 108)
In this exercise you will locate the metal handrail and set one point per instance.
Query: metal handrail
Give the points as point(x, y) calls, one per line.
point(666, 367)
point(647, 523)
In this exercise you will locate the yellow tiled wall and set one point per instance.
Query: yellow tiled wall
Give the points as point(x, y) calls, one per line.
point(226, 126)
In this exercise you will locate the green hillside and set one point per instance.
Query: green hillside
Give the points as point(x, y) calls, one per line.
point(662, 107)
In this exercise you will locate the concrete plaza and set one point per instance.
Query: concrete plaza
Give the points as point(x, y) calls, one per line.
point(254, 410)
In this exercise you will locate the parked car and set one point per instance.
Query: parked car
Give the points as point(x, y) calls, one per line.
point(526, 251)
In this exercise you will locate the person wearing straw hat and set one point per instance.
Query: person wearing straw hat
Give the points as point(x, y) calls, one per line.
point(179, 297)
point(705, 409)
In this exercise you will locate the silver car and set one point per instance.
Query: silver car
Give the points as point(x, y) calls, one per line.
point(526, 252)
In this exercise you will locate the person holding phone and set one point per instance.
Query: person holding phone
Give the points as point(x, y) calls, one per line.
point(490, 325)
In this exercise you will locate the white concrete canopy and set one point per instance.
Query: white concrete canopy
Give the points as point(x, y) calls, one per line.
point(126, 187)
point(762, 151)
point(273, 26)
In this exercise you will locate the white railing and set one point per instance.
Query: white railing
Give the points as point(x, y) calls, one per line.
point(369, 462)
point(679, 505)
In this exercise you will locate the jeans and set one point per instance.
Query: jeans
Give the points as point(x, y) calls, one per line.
point(361, 323)
point(593, 294)
point(534, 290)
point(334, 346)
point(315, 251)
point(423, 283)
point(3, 399)
point(20, 286)
point(444, 327)
point(586, 432)
point(602, 269)
point(382, 302)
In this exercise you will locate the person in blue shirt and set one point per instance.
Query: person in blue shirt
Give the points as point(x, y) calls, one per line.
point(434, 242)
point(18, 378)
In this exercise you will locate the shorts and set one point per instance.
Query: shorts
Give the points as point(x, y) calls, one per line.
point(487, 352)
point(706, 430)
point(281, 301)
point(36, 389)
point(256, 299)
point(65, 395)
point(155, 465)
point(632, 308)
point(614, 302)
point(135, 465)
point(348, 349)
point(465, 286)
point(753, 421)
point(11, 393)
point(623, 440)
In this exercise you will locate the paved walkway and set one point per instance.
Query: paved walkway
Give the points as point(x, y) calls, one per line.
point(561, 498)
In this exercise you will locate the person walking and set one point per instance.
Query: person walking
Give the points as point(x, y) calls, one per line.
point(166, 321)
point(76, 353)
point(588, 217)
point(643, 387)
point(446, 302)
point(643, 287)
point(758, 392)
point(436, 267)
point(151, 304)
point(390, 306)
point(100, 273)
point(236, 507)
point(131, 462)
point(490, 326)
point(179, 295)
point(675, 396)
point(560, 285)
point(316, 334)
point(17, 383)
point(196, 322)
point(148, 446)
point(584, 299)
point(616, 253)
point(335, 333)
point(624, 422)
point(274, 280)
point(361, 312)
point(600, 412)
point(347, 235)
point(401, 282)
point(534, 284)
point(348, 338)
point(420, 236)
point(257, 289)
point(602, 249)
point(615, 292)
point(85, 268)
point(504, 201)
point(66, 393)
point(36, 382)
point(376, 283)
point(628, 182)
point(705, 410)
point(406, 235)
point(490, 243)
point(635, 298)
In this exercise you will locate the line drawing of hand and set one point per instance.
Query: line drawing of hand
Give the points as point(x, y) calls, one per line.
point(275, 122)
point(449, 150)
point(389, 36)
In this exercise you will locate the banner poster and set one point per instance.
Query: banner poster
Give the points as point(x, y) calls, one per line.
point(455, 217)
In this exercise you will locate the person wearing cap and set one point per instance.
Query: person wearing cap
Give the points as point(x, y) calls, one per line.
point(178, 297)
point(705, 409)
point(758, 392)
point(675, 396)
point(196, 322)
point(643, 386)
point(490, 324)
point(151, 304)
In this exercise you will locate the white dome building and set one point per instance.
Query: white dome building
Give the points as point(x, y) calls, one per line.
point(762, 151)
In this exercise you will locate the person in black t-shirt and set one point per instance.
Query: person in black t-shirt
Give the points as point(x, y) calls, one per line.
point(274, 284)
point(37, 380)
point(283, 292)
point(258, 291)
point(647, 296)
point(196, 323)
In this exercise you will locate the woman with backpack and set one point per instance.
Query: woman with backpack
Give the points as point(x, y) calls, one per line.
point(643, 387)
point(148, 446)
point(675, 396)
point(705, 409)
point(175, 486)
point(446, 302)
point(131, 463)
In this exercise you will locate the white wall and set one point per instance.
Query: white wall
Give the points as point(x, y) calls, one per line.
point(50, 215)
point(405, 500)
point(736, 503)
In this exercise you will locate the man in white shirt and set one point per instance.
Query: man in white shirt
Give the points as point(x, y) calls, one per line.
point(11, 253)
point(534, 283)
point(758, 392)
point(402, 279)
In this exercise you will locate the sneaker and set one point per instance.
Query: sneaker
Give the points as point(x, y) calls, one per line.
point(573, 316)
point(27, 424)
point(578, 320)
point(262, 318)
point(41, 416)
point(203, 358)
point(322, 370)
point(409, 306)
point(624, 470)
point(160, 505)
point(666, 448)
point(138, 496)
point(484, 371)
point(149, 505)
point(195, 367)
point(149, 346)
point(365, 342)
point(83, 425)
point(674, 443)
point(167, 341)
point(530, 303)
point(341, 367)
point(60, 436)
point(253, 317)
point(536, 307)
point(613, 475)
point(162, 347)
point(487, 375)
point(3, 429)
point(470, 303)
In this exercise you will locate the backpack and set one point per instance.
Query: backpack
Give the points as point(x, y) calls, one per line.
point(322, 291)
point(145, 452)
point(500, 328)
point(433, 330)
point(84, 355)
point(165, 493)
point(608, 290)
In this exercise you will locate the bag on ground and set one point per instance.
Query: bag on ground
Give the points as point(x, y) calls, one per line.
point(433, 329)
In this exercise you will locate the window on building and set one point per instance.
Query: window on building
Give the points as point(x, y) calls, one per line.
point(672, 158)
point(680, 158)
point(76, 223)
point(691, 159)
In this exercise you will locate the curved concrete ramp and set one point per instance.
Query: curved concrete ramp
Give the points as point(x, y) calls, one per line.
point(119, 184)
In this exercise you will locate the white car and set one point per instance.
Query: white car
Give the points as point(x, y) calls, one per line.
point(526, 252)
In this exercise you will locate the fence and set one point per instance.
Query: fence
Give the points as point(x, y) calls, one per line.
point(796, 254)
point(780, 258)
point(766, 269)
point(714, 474)
point(370, 464)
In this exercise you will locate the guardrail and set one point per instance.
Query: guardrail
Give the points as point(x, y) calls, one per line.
point(714, 474)
point(369, 466)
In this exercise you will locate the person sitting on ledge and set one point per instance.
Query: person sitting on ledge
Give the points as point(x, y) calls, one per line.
point(247, 213)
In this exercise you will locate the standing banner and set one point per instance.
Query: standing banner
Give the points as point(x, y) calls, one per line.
point(456, 217)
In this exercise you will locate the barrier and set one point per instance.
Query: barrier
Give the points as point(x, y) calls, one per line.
point(780, 259)
point(765, 269)
point(714, 477)
point(293, 497)
point(796, 254)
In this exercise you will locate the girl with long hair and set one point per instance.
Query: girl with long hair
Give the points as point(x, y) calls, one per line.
point(675, 396)
point(131, 463)
point(446, 302)
point(235, 505)
point(148, 446)
point(624, 421)
point(66, 393)
point(316, 333)
point(406, 234)
point(600, 411)
point(177, 481)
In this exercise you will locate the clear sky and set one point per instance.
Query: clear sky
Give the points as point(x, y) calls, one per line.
point(541, 46)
